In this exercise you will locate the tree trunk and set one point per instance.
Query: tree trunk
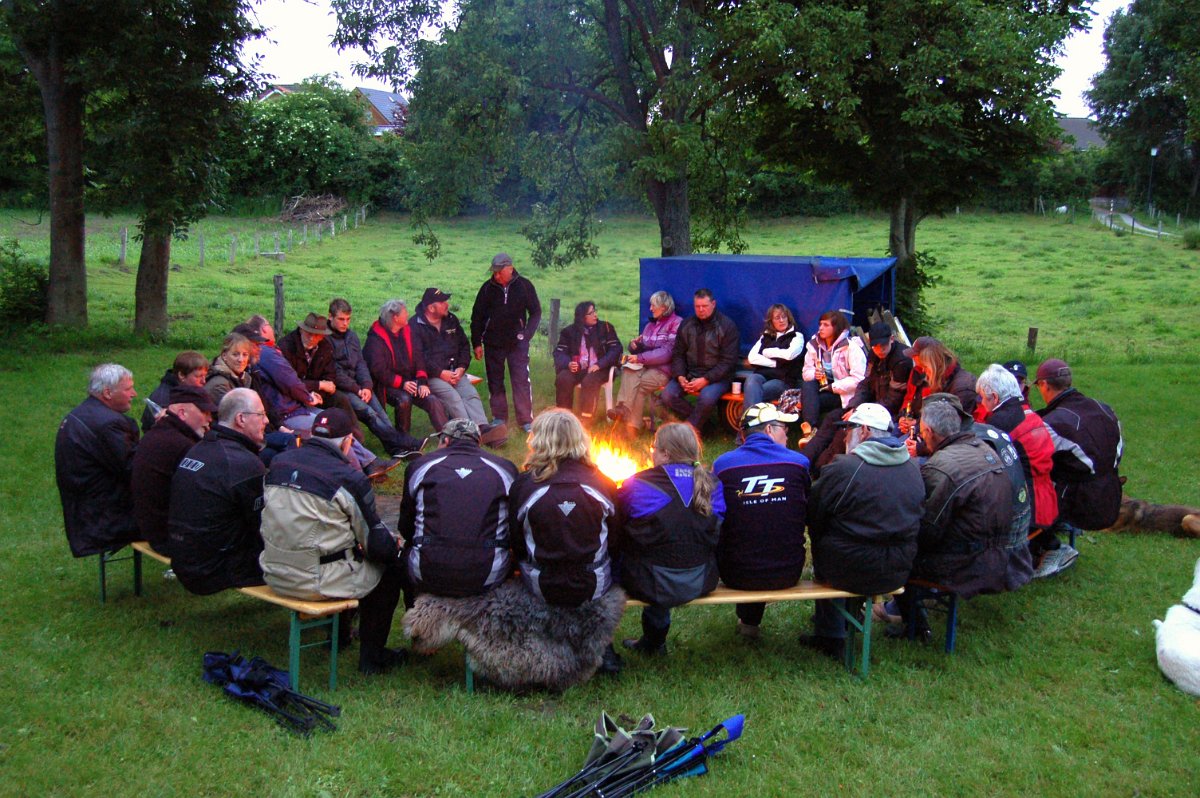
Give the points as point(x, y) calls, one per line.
point(669, 198)
point(902, 233)
point(62, 103)
point(150, 292)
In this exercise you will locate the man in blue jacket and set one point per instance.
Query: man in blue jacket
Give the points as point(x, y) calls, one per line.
point(766, 499)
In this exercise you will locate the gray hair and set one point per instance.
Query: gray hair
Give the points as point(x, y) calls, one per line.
point(107, 376)
point(941, 418)
point(663, 300)
point(391, 309)
point(998, 380)
point(238, 400)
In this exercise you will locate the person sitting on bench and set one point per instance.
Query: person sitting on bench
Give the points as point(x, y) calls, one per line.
point(834, 364)
point(93, 455)
point(324, 539)
point(702, 362)
point(189, 368)
point(648, 367)
point(671, 514)
point(864, 514)
point(967, 515)
point(216, 500)
point(766, 498)
point(585, 352)
point(775, 358)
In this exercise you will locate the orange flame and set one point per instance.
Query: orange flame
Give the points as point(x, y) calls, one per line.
point(616, 462)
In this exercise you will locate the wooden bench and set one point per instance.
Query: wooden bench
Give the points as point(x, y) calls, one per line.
point(806, 590)
point(305, 614)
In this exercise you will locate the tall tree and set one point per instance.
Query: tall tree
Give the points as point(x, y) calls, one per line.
point(1148, 96)
point(160, 76)
point(564, 96)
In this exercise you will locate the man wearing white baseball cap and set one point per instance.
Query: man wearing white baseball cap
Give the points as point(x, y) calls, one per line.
point(864, 514)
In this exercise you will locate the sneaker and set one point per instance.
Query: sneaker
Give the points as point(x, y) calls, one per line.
point(832, 647)
point(528, 427)
point(748, 631)
point(374, 664)
point(640, 645)
point(1055, 561)
point(899, 631)
point(378, 470)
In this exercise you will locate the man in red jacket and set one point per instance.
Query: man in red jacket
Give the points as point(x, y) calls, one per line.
point(397, 365)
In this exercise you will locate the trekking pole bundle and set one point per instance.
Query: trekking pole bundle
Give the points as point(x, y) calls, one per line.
point(622, 763)
point(257, 682)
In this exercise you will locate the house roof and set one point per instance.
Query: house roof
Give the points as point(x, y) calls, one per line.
point(1081, 132)
point(387, 108)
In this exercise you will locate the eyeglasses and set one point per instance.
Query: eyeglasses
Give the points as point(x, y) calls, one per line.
point(252, 413)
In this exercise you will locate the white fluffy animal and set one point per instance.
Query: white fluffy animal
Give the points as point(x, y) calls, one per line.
point(1178, 640)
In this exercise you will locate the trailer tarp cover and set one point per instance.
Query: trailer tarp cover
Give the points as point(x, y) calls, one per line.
point(746, 285)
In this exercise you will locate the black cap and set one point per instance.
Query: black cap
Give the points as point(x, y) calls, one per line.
point(880, 332)
point(1017, 369)
point(249, 332)
point(332, 423)
point(434, 295)
point(191, 395)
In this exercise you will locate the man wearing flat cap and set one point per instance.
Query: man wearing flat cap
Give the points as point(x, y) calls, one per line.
point(765, 484)
point(311, 356)
point(447, 355)
point(188, 416)
point(454, 517)
point(504, 319)
point(323, 537)
point(1085, 474)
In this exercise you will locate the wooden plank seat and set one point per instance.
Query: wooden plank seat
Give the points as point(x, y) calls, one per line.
point(305, 613)
point(856, 605)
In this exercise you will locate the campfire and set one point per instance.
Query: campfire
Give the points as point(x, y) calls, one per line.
point(616, 461)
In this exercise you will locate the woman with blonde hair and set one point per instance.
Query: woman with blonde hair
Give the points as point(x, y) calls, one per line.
point(671, 514)
point(565, 511)
point(776, 358)
point(231, 368)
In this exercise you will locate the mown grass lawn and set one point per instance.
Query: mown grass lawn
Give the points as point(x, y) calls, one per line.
point(1054, 689)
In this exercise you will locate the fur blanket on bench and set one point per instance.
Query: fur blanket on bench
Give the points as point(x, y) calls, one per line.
point(514, 639)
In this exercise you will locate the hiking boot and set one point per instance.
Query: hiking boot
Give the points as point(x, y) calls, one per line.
point(832, 647)
point(382, 661)
point(1055, 561)
point(641, 646)
point(748, 631)
point(618, 413)
point(527, 428)
point(378, 470)
point(610, 662)
point(494, 435)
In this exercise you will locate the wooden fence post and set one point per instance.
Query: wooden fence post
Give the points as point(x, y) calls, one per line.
point(279, 302)
point(305, 241)
point(332, 228)
point(257, 244)
point(232, 250)
point(277, 242)
point(555, 307)
point(318, 232)
point(1031, 340)
point(124, 246)
point(289, 244)
point(200, 241)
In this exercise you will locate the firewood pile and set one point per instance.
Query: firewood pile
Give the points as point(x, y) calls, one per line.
point(308, 210)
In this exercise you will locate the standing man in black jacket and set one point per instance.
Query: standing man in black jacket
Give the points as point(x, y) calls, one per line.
point(703, 361)
point(504, 319)
point(216, 500)
point(864, 515)
point(93, 456)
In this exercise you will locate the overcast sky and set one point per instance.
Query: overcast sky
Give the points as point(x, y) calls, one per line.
point(298, 46)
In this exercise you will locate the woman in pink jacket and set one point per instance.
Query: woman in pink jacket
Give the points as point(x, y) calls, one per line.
point(834, 364)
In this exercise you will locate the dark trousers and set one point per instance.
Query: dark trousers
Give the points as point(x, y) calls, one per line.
point(403, 401)
point(815, 401)
point(828, 438)
point(751, 614)
point(564, 389)
point(375, 613)
point(656, 623)
point(375, 417)
point(517, 359)
point(827, 621)
point(674, 398)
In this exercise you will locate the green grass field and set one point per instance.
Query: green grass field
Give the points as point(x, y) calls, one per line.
point(1054, 689)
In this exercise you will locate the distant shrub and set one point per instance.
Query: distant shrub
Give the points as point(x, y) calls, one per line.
point(24, 284)
point(1191, 238)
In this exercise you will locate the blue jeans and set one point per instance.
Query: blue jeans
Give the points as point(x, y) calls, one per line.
point(757, 388)
point(815, 402)
point(674, 398)
point(375, 417)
